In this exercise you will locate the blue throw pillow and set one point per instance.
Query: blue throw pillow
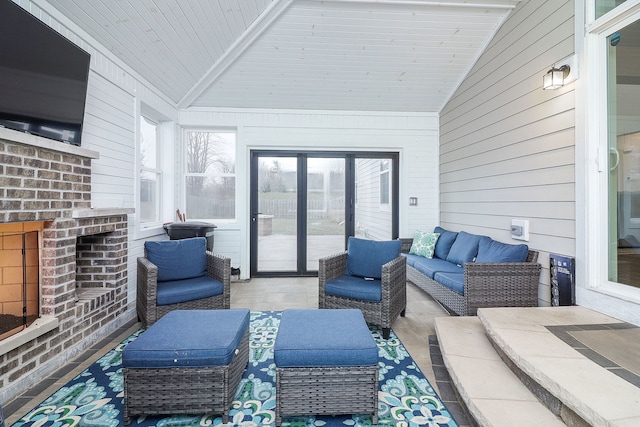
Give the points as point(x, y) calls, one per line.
point(464, 249)
point(491, 251)
point(444, 243)
point(178, 259)
point(366, 257)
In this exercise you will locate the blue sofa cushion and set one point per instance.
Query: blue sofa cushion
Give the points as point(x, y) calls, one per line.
point(178, 259)
point(444, 243)
point(429, 267)
point(355, 288)
point(365, 258)
point(453, 281)
point(464, 249)
point(176, 291)
point(491, 251)
point(339, 338)
point(189, 338)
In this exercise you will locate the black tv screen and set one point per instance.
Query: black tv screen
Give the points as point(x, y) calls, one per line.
point(43, 77)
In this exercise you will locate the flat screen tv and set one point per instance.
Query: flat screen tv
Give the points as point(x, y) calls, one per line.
point(43, 77)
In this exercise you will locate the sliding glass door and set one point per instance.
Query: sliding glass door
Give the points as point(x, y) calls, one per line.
point(305, 205)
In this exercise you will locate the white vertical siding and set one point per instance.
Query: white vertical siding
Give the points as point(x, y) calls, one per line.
point(110, 123)
point(413, 135)
point(507, 146)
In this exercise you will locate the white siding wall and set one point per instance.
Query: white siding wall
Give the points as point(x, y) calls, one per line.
point(113, 97)
point(414, 136)
point(507, 146)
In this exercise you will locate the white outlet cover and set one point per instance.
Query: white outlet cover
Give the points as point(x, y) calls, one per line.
point(523, 224)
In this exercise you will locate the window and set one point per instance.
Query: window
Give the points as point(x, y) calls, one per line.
point(604, 6)
point(385, 182)
point(150, 173)
point(623, 92)
point(210, 178)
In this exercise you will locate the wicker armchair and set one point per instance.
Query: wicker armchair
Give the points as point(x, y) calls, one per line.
point(347, 270)
point(179, 272)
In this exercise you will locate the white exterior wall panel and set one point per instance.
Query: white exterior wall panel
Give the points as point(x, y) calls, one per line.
point(507, 147)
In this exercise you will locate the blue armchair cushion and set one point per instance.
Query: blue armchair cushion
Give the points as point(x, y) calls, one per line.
point(177, 291)
point(365, 258)
point(453, 281)
point(354, 287)
point(444, 243)
point(178, 259)
point(189, 338)
point(464, 249)
point(339, 338)
point(491, 251)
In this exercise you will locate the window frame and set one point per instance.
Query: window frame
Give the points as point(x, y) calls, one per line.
point(157, 171)
point(382, 204)
point(595, 242)
point(186, 174)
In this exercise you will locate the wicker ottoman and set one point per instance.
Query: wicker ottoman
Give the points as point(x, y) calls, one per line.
point(326, 364)
point(188, 362)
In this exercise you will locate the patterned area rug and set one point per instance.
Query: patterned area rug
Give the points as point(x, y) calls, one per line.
point(94, 398)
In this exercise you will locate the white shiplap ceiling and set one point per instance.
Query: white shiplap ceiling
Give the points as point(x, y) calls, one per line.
point(362, 55)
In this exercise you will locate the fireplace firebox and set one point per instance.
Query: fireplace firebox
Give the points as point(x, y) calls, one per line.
point(19, 279)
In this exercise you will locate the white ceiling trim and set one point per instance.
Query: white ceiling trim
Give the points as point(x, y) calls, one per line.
point(259, 26)
point(484, 4)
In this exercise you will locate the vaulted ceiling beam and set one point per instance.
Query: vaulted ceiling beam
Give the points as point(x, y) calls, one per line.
point(264, 21)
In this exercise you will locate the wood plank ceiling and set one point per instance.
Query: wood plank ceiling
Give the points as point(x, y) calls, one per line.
point(361, 55)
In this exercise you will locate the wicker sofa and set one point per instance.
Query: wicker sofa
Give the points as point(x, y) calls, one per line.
point(463, 287)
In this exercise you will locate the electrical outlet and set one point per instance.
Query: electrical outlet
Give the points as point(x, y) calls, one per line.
point(520, 229)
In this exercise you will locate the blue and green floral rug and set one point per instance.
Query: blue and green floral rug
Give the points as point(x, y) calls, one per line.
point(95, 397)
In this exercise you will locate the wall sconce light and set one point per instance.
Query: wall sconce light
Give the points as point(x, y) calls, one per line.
point(554, 79)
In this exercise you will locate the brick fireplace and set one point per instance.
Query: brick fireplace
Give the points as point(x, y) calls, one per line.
point(83, 252)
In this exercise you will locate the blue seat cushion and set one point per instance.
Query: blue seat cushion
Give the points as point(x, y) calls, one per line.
point(453, 281)
point(464, 249)
point(491, 251)
point(444, 243)
point(324, 338)
point(429, 267)
point(176, 291)
point(355, 288)
point(365, 258)
point(189, 338)
point(178, 259)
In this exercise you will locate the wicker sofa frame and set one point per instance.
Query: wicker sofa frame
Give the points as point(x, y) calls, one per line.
point(218, 267)
point(327, 391)
point(486, 284)
point(197, 390)
point(394, 291)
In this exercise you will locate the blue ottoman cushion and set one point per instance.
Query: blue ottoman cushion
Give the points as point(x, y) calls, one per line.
point(322, 338)
point(189, 338)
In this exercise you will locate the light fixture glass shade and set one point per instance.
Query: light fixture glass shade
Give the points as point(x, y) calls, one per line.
point(554, 79)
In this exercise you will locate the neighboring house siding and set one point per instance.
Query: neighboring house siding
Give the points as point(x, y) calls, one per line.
point(414, 136)
point(507, 146)
point(372, 219)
